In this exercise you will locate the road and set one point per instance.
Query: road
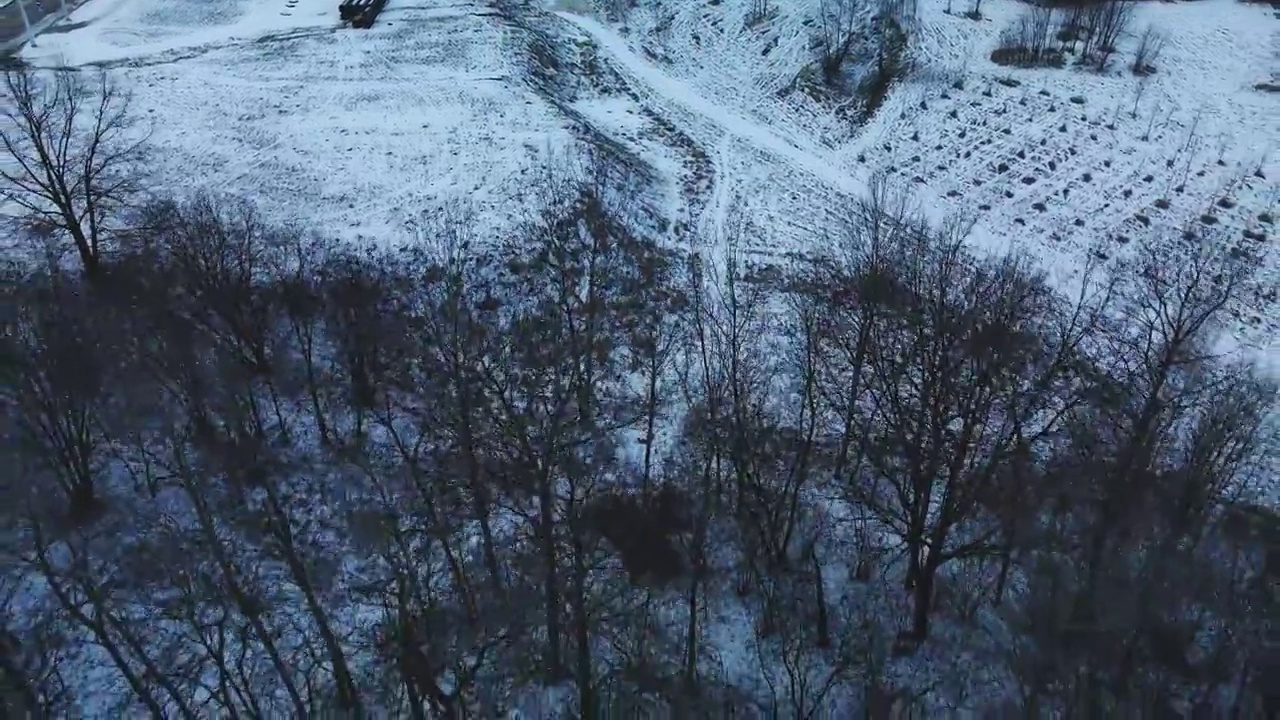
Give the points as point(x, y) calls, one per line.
point(11, 27)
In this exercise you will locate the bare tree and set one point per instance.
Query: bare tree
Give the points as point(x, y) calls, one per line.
point(1150, 45)
point(944, 321)
point(1167, 436)
point(838, 23)
point(1107, 22)
point(72, 158)
point(1027, 42)
point(63, 389)
point(758, 12)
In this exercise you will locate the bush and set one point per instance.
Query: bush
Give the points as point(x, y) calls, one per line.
point(889, 65)
point(1150, 45)
point(1027, 42)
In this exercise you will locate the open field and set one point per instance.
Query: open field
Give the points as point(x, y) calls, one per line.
point(715, 126)
point(355, 133)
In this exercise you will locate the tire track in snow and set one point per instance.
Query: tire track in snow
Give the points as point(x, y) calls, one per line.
point(554, 73)
point(713, 125)
point(714, 220)
point(693, 185)
point(710, 118)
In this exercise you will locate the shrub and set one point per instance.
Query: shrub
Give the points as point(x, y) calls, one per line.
point(1150, 45)
point(1027, 42)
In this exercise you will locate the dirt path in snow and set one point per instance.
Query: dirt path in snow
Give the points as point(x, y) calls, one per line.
point(710, 123)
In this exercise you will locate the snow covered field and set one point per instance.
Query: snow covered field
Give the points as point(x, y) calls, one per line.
point(347, 132)
point(356, 132)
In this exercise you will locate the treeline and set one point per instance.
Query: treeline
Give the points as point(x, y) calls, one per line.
point(254, 473)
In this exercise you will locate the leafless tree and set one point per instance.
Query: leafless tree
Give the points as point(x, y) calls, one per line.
point(1150, 45)
point(1107, 22)
point(1168, 435)
point(63, 389)
point(838, 25)
point(72, 158)
point(758, 12)
point(1027, 42)
point(935, 317)
point(331, 481)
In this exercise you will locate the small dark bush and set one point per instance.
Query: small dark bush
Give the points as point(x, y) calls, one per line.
point(1027, 43)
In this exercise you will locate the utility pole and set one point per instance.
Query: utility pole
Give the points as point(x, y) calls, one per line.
point(26, 22)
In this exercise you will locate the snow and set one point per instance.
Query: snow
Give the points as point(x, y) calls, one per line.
point(355, 133)
point(134, 29)
point(1056, 163)
point(673, 90)
point(352, 133)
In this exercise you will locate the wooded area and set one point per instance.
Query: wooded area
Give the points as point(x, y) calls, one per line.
point(257, 473)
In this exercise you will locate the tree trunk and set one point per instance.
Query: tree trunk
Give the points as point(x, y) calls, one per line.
point(923, 602)
point(582, 632)
point(823, 630)
point(691, 636)
point(348, 695)
point(1006, 560)
point(551, 580)
point(479, 493)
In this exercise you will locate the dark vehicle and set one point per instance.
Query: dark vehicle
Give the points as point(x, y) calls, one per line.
point(360, 13)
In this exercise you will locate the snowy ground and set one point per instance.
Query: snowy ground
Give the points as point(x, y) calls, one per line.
point(1056, 162)
point(347, 132)
point(355, 132)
